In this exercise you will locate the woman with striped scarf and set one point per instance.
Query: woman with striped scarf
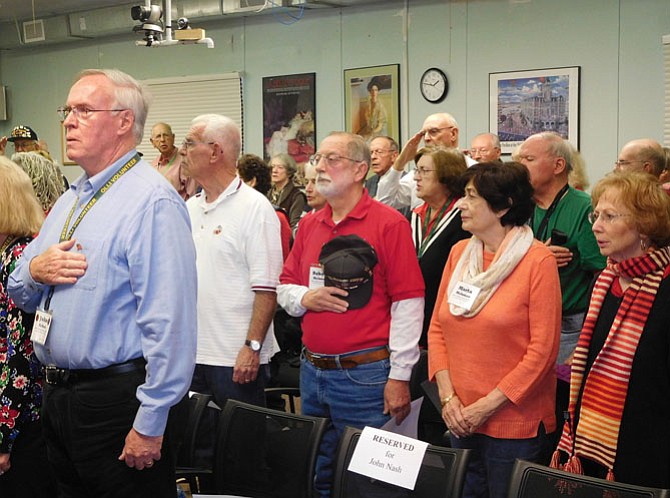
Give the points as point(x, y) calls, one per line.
point(619, 412)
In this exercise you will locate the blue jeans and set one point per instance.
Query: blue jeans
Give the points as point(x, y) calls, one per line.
point(218, 381)
point(571, 327)
point(491, 462)
point(353, 396)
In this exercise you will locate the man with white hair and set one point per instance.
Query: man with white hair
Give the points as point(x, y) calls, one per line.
point(238, 246)
point(485, 148)
point(112, 279)
point(560, 219)
point(399, 191)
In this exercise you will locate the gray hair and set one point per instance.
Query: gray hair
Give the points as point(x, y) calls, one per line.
point(221, 130)
point(288, 162)
point(45, 175)
point(558, 147)
point(129, 94)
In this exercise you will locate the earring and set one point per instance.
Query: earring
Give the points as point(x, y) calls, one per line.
point(644, 245)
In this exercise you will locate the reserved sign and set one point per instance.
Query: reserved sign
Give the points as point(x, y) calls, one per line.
point(388, 457)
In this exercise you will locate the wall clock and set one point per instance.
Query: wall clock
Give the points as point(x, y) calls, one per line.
point(434, 85)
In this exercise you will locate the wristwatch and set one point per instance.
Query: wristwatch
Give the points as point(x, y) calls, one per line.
point(254, 345)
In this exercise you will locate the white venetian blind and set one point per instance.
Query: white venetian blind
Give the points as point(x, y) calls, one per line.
point(177, 101)
point(666, 78)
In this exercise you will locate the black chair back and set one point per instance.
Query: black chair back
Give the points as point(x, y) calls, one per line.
point(532, 480)
point(442, 474)
point(264, 453)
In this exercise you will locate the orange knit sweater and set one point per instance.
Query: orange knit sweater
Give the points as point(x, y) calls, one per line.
point(511, 344)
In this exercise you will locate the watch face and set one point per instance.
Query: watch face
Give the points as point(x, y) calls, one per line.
point(434, 85)
point(254, 345)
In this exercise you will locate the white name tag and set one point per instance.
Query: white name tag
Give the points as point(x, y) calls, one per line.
point(316, 276)
point(41, 327)
point(464, 295)
point(388, 457)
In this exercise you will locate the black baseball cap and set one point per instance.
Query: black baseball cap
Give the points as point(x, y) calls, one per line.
point(22, 132)
point(347, 262)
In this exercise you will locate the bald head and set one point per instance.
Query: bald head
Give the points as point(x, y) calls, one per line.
point(643, 154)
point(440, 129)
point(485, 148)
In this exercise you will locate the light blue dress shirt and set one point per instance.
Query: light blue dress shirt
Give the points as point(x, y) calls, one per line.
point(138, 295)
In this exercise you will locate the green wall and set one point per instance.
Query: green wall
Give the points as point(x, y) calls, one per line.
point(617, 43)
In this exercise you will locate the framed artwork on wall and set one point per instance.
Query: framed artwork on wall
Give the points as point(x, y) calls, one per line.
point(289, 116)
point(372, 101)
point(526, 102)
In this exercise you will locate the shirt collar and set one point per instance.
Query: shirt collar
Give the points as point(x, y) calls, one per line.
point(97, 181)
point(232, 188)
point(359, 212)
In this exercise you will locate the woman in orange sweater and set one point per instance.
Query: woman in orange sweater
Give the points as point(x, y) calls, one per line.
point(494, 335)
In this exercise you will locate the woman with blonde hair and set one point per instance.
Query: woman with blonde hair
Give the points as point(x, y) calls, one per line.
point(619, 411)
point(22, 449)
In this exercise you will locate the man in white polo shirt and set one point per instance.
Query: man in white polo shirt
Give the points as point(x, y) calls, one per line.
point(238, 247)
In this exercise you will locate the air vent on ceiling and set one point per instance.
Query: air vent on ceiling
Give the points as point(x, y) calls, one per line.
point(33, 31)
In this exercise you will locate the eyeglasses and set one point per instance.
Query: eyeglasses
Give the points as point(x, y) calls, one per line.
point(432, 132)
point(189, 144)
point(423, 171)
point(331, 159)
point(81, 112)
point(380, 152)
point(479, 151)
point(607, 218)
point(622, 162)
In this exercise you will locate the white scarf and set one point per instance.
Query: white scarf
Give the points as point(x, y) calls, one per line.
point(470, 267)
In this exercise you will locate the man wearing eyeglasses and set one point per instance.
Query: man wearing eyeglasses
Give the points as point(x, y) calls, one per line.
point(239, 253)
point(112, 280)
point(354, 279)
point(561, 212)
point(168, 162)
point(643, 154)
point(24, 139)
point(485, 148)
point(399, 191)
point(383, 152)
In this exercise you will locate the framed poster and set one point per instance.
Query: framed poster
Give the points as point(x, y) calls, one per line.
point(372, 101)
point(526, 102)
point(289, 116)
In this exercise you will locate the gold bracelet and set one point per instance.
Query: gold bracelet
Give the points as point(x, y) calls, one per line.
point(446, 400)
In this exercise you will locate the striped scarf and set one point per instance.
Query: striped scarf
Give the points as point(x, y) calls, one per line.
point(606, 385)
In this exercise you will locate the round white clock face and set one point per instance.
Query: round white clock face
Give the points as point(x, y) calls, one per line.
point(434, 85)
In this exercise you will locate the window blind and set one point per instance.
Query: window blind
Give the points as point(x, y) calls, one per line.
point(177, 101)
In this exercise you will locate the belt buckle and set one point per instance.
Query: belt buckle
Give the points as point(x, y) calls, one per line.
point(54, 375)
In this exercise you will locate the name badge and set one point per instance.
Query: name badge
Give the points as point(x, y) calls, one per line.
point(464, 295)
point(41, 327)
point(316, 276)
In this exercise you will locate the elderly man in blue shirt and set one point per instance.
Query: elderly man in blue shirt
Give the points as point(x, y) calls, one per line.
point(112, 279)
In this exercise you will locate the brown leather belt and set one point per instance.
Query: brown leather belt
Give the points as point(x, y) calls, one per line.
point(347, 360)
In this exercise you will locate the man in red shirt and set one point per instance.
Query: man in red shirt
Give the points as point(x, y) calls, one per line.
point(354, 278)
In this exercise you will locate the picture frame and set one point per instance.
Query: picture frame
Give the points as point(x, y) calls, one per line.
point(289, 116)
point(531, 101)
point(359, 93)
point(65, 161)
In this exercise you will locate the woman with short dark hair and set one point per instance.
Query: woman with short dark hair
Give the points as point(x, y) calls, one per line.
point(493, 338)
